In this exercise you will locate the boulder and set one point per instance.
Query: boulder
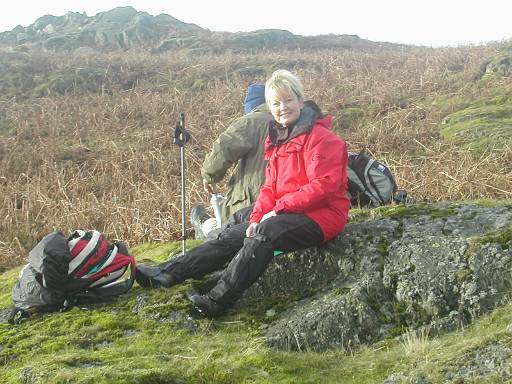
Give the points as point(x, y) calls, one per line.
point(435, 266)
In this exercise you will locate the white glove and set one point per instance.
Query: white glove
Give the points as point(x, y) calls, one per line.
point(250, 229)
point(267, 215)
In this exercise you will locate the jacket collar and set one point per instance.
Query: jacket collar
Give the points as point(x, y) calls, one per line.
point(261, 108)
point(309, 114)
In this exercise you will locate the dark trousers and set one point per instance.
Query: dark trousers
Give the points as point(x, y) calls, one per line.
point(240, 216)
point(248, 257)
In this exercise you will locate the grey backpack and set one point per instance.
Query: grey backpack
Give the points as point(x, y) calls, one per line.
point(370, 182)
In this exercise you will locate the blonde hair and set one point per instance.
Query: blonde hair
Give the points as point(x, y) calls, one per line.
point(283, 82)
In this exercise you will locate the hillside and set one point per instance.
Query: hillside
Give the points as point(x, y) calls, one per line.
point(85, 137)
point(407, 294)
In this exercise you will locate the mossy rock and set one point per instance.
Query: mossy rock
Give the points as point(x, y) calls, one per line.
point(501, 64)
point(80, 80)
point(140, 30)
point(482, 125)
point(349, 117)
point(265, 38)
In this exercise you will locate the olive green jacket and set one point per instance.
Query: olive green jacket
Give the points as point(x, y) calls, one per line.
point(242, 145)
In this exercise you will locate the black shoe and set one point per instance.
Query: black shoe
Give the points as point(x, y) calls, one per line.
point(198, 216)
point(207, 306)
point(152, 277)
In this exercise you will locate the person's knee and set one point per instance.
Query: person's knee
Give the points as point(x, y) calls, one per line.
point(266, 231)
point(231, 234)
point(257, 246)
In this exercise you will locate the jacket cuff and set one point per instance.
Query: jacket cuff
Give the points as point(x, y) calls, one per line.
point(279, 207)
point(255, 218)
point(208, 178)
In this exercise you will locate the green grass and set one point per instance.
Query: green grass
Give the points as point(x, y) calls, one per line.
point(6, 283)
point(160, 252)
point(122, 342)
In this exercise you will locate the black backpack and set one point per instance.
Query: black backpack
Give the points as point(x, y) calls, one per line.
point(63, 272)
point(370, 182)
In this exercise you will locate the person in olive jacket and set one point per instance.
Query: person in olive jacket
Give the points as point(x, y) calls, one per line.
point(303, 203)
point(241, 145)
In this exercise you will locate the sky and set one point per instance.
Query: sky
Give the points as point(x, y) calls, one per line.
point(427, 22)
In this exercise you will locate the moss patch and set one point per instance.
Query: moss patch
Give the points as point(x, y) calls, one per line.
point(494, 203)
point(437, 211)
point(401, 210)
point(6, 283)
point(158, 252)
point(486, 124)
point(503, 237)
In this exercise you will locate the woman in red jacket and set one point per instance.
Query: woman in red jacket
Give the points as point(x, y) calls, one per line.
point(303, 202)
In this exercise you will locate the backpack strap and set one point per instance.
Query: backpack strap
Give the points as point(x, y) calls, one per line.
point(17, 315)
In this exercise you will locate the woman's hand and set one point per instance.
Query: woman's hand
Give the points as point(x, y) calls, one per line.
point(267, 215)
point(251, 229)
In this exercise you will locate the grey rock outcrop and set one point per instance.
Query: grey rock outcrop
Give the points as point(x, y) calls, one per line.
point(125, 28)
point(434, 266)
point(119, 28)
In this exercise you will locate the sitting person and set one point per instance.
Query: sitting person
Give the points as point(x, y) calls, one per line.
point(240, 145)
point(303, 203)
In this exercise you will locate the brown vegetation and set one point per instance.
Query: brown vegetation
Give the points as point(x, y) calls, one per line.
point(95, 152)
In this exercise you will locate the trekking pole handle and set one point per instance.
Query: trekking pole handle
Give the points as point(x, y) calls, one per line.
point(181, 136)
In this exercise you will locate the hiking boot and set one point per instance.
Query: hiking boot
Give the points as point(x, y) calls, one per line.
point(205, 305)
point(152, 277)
point(198, 216)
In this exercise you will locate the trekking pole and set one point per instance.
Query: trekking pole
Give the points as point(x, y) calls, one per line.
point(181, 136)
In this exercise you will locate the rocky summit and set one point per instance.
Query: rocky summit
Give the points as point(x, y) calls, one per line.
point(125, 28)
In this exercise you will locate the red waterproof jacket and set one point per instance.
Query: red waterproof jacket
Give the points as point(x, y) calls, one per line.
point(307, 174)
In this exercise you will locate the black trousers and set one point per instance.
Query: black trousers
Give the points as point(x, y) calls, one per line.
point(238, 217)
point(248, 257)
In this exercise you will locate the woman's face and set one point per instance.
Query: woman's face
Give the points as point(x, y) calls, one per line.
point(285, 107)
